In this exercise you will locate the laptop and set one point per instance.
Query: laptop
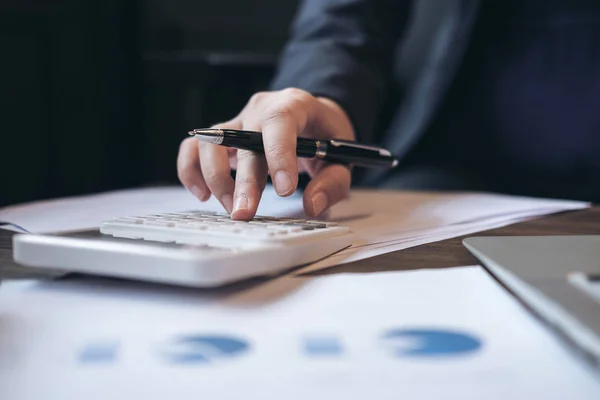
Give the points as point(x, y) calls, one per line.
point(556, 277)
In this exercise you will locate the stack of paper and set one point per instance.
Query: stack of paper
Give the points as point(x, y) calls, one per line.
point(390, 220)
point(384, 221)
point(442, 334)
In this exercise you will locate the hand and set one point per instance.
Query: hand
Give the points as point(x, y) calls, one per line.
point(281, 116)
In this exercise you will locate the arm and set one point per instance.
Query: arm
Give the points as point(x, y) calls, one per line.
point(343, 50)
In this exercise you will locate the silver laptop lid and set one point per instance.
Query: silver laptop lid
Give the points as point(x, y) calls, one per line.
point(557, 277)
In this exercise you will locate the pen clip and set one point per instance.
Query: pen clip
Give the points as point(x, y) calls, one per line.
point(342, 143)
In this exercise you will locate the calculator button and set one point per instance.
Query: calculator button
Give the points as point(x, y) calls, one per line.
point(160, 223)
point(194, 225)
point(129, 220)
point(210, 215)
point(227, 228)
point(259, 233)
point(257, 223)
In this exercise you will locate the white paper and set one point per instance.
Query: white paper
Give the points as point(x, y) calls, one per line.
point(385, 244)
point(388, 221)
point(383, 221)
point(317, 338)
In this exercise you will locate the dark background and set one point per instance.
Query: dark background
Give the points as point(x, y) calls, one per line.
point(97, 95)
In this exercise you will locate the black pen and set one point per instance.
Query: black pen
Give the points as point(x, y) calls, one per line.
point(332, 150)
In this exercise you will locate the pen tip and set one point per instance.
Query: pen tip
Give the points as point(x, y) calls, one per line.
point(214, 136)
point(206, 132)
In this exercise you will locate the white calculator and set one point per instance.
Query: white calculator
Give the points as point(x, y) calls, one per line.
point(190, 248)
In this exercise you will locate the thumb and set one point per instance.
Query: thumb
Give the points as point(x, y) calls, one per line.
point(330, 185)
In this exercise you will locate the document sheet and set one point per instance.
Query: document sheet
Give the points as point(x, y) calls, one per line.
point(429, 334)
point(383, 221)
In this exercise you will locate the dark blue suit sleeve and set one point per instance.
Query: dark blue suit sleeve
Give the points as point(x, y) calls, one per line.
point(344, 50)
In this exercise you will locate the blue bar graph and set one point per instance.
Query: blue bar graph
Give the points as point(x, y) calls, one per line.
point(202, 349)
point(430, 342)
point(320, 346)
point(102, 352)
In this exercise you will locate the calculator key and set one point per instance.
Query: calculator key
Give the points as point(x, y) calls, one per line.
point(230, 229)
point(259, 233)
point(154, 216)
point(218, 222)
point(160, 223)
point(287, 222)
point(129, 220)
point(304, 227)
point(180, 220)
point(194, 225)
point(276, 227)
point(258, 223)
point(197, 218)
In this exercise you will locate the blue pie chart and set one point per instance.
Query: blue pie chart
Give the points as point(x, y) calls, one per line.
point(202, 349)
point(430, 343)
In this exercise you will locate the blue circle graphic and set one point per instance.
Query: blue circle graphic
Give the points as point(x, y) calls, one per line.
point(204, 348)
point(430, 342)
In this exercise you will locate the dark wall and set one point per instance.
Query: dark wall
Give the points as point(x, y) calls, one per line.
point(256, 25)
point(68, 98)
point(97, 95)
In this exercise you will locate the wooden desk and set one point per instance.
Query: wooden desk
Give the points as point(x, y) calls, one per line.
point(443, 254)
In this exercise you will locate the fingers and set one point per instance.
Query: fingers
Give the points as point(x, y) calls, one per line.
point(214, 163)
point(250, 181)
point(188, 169)
point(215, 168)
point(250, 178)
point(330, 185)
point(281, 124)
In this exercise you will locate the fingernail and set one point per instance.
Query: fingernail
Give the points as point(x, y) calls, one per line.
point(196, 191)
point(241, 203)
point(283, 183)
point(319, 202)
point(227, 201)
